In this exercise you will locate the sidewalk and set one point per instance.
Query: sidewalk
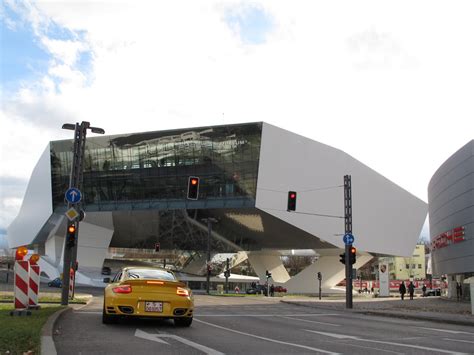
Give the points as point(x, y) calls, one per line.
point(421, 308)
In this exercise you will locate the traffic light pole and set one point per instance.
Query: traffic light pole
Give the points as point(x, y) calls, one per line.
point(348, 230)
point(208, 258)
point(75, 181)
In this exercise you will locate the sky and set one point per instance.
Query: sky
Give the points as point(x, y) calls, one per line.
point(389, 82)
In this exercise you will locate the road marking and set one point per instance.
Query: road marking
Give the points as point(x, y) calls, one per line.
point(462, 341)
point(342, 336)
point(157, 337)
point(311, 321)
point(334, 335)
point(153, 337)
point(264, 338)
point(447, 331)
point(267, 315)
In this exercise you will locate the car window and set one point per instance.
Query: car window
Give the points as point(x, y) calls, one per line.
point(117, 277)
point(150, 274)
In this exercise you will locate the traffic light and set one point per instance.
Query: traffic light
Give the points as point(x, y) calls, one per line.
point(193, 188)
point(71, 235)
point(291, 201)
point(227, 273)
point(268, 274)
point(343, 258)
point(319, 276)
point(353, 255)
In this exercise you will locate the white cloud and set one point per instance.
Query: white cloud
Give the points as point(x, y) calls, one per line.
point(169, 64)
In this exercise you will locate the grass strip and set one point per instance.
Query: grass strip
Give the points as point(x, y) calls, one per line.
point(21, 334)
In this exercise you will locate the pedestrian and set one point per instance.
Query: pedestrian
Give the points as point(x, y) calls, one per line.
point(272, 290)
point(424, 290)
point(459, 291)
point(237, 289)
point(411, 289)
point(402, 289)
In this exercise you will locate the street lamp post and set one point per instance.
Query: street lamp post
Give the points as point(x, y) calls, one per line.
point(75, 181)
point(208, 259)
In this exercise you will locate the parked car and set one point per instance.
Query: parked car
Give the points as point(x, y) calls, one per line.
point(433, 292)
point(258, 290)
point(106, 270)
point(148, 292)
point(280, 289)
point(55, 283)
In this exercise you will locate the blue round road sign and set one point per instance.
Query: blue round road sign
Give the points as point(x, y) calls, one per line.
point(73, 195)
point(348, 239)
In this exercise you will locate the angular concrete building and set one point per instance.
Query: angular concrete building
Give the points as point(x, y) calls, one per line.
point(134, 195)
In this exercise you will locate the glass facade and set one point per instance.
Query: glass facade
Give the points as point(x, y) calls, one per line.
point(151, 169)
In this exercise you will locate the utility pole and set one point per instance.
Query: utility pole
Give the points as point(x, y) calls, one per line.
point(208, 259)
point(75, 184)
point(348, 230)
point(227, 274)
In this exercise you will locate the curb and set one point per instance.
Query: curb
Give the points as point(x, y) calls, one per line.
point(414, 317)
point(47, 342)
point(390, 314)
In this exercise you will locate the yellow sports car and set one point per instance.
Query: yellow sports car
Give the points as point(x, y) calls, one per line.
point(148, 292)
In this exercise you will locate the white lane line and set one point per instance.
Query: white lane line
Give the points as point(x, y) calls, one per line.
point(342, 336)
point(197, 346)
point(153, 337)
point(447, 330)
point(311, 321)
point(264, 338)
point(157, 338)
point(267, 315)
point(461, 341)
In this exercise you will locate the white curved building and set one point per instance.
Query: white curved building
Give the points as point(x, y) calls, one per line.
point(135, 196)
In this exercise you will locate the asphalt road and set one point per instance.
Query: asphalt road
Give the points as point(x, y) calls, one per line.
point(230, 325)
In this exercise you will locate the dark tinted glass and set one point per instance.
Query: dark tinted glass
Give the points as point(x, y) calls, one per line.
point(151, 166)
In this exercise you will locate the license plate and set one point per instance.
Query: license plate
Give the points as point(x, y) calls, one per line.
point(153, 306)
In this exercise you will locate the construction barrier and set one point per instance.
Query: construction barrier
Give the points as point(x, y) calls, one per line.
point(72, 277)
point(34, 285)
point(21, 284)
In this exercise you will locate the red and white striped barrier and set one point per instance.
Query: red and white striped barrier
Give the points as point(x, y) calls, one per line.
point(72, 277)
point(34, 285)
point(22, 278)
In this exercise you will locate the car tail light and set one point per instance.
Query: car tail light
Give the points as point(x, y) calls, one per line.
point(122, 289)
point(182, 292)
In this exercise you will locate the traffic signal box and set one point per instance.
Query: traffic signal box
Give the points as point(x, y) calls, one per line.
point(268, 274)
point(342, 258)
point(193, 188)
point(320, 276)
point(291, 201)
point(71, 234)
point(353, 255)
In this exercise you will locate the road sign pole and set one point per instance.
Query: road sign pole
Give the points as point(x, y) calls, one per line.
point(348, 230)
point(75, 185)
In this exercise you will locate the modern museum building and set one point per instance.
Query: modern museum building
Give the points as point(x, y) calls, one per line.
point(134, 194)
point(451, 211)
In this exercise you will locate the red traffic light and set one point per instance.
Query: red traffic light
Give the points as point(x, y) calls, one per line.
point(353, 250)
point(291, 205)
point(193, 188)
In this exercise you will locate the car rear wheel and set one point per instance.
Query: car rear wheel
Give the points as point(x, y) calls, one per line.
point(183, 322)
point(107, 319)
